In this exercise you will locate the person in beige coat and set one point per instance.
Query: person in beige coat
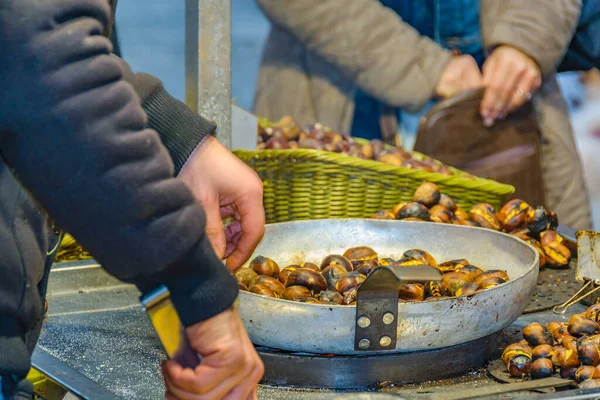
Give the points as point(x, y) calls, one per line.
point(323, 55)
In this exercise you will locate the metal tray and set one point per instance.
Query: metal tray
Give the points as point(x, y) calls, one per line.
point(427, 325)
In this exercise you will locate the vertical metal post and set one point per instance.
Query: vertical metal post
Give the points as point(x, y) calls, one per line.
point(208, 62)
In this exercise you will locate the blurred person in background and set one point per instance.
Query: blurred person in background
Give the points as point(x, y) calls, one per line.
point(342, 63)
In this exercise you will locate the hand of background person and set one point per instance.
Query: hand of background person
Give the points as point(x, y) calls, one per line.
point(462, 73)
point(230, 367)
point(511, 78)
point(226, 187)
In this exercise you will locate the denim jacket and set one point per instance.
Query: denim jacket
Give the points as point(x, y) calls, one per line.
point(453, 24)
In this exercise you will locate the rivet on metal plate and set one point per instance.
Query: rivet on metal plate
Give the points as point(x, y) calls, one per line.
point(364, 344)
point(388, 318)
point(363, 321)
point(385, 341)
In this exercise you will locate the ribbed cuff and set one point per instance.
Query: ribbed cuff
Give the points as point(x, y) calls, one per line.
point(180, 129)
point(200, 296)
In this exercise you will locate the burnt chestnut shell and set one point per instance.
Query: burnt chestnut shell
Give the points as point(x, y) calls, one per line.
point(414, 210)
point(513, 214)
point(541, 368)
point(580, 326)
point(542, 351)
point(537, 334)
point(427, 194)
point(308, 278)
point(433, 289)
point(295, 293)
point(588, 353)
point(349, 296)
point(264, 266)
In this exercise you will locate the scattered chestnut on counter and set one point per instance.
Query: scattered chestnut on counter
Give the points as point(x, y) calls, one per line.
point(541, 368)
point(536, 334)
point(580, 326)
point(542, 351)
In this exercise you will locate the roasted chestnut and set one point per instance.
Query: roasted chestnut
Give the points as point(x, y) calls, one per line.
point(295, 293)
point(584, 373)
point(285, 273)
point(383, 214)
point(310, 265)
point(414, 210)
point(349, 296)
point(348, 282)
point(580, 326)
point(265, 266)
point(593, 312)
point(245, 275)
point(433, 289)
point(310, 143)
point(560, 332)
point(366, 267)
point(412, 292)
point(588, 353)
point(452, 281)
point(518, 360)
point(396, 210)
point(467, 290)
point(331, 297)
point(485, 215)
point(542, 351)
point(417, 257)
point(590, 384)
point(557, 255)
point(491, 282)
point(452, 266)
point(459, 213)
point(470, 270)
point(539, 219)
point(537, 245)
point(570, 343)
point(536, 334)
point(521, 233)
point(308, 278)
point(269, 282)
point(336, 259)
point(568, 373)
point(465, 222)
point(387, 261)
point(513, 214)
point(241, 286)
point(427, 194)
point(389, 157)
point(492, 273)
point(552, 326)
point(263, 290)
point(441, 213)
point(541, 368)
point(447, 202)
point(333, 274)
point(565, 358)
point(413, 219)
point(310, 300)
point(361, 253)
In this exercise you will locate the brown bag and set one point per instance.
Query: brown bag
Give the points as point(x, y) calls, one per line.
point(452, 131)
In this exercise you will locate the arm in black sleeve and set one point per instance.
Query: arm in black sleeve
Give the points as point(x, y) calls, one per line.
point(75, 135)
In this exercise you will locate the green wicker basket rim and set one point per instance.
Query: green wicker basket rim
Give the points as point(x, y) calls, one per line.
point(476, 183)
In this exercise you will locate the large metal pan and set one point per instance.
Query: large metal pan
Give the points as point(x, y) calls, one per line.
point(428, 325)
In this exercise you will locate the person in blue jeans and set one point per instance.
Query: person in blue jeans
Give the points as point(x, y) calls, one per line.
point(343, 63)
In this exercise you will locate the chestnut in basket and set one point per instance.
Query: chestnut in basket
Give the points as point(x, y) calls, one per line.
point(265, 266)
point(492, 273)
point(417, 257)
point(433, 289)
point(535, 334)
point(513, 214)
point(452, 281)
point(352, 280)
point(336, 259)
point(542, 351)
point(541, 368)
point(452, 266)
point(412, 292)
point(263, 290)
point(427, 194)
point(245, 275)
point(333, 274)
point(285, 273)
point(485, 215)
point(310, 143)
point(467, 289)
point(389, 157)
point(276, 143)
point(441, 214)
point(582, 326)
point(331, 297)
point(361, 253)
point(383, 214)
point(269, 282)
point(308, 278)
point(295, 293)
point(414, 210)
point(447, 202)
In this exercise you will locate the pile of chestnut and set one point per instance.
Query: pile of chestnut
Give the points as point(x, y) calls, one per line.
point(287, 134)
point(337, 278)
point(572, 349)
point(536, 226)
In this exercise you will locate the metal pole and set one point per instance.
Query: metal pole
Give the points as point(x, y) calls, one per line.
point(208, 62)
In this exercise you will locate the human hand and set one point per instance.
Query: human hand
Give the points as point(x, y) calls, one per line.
point(226, 187)
point(510, 77)
point(462, 73)
point(230, 367)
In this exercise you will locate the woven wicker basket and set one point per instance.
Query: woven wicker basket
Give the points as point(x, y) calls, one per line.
point(312, 184)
